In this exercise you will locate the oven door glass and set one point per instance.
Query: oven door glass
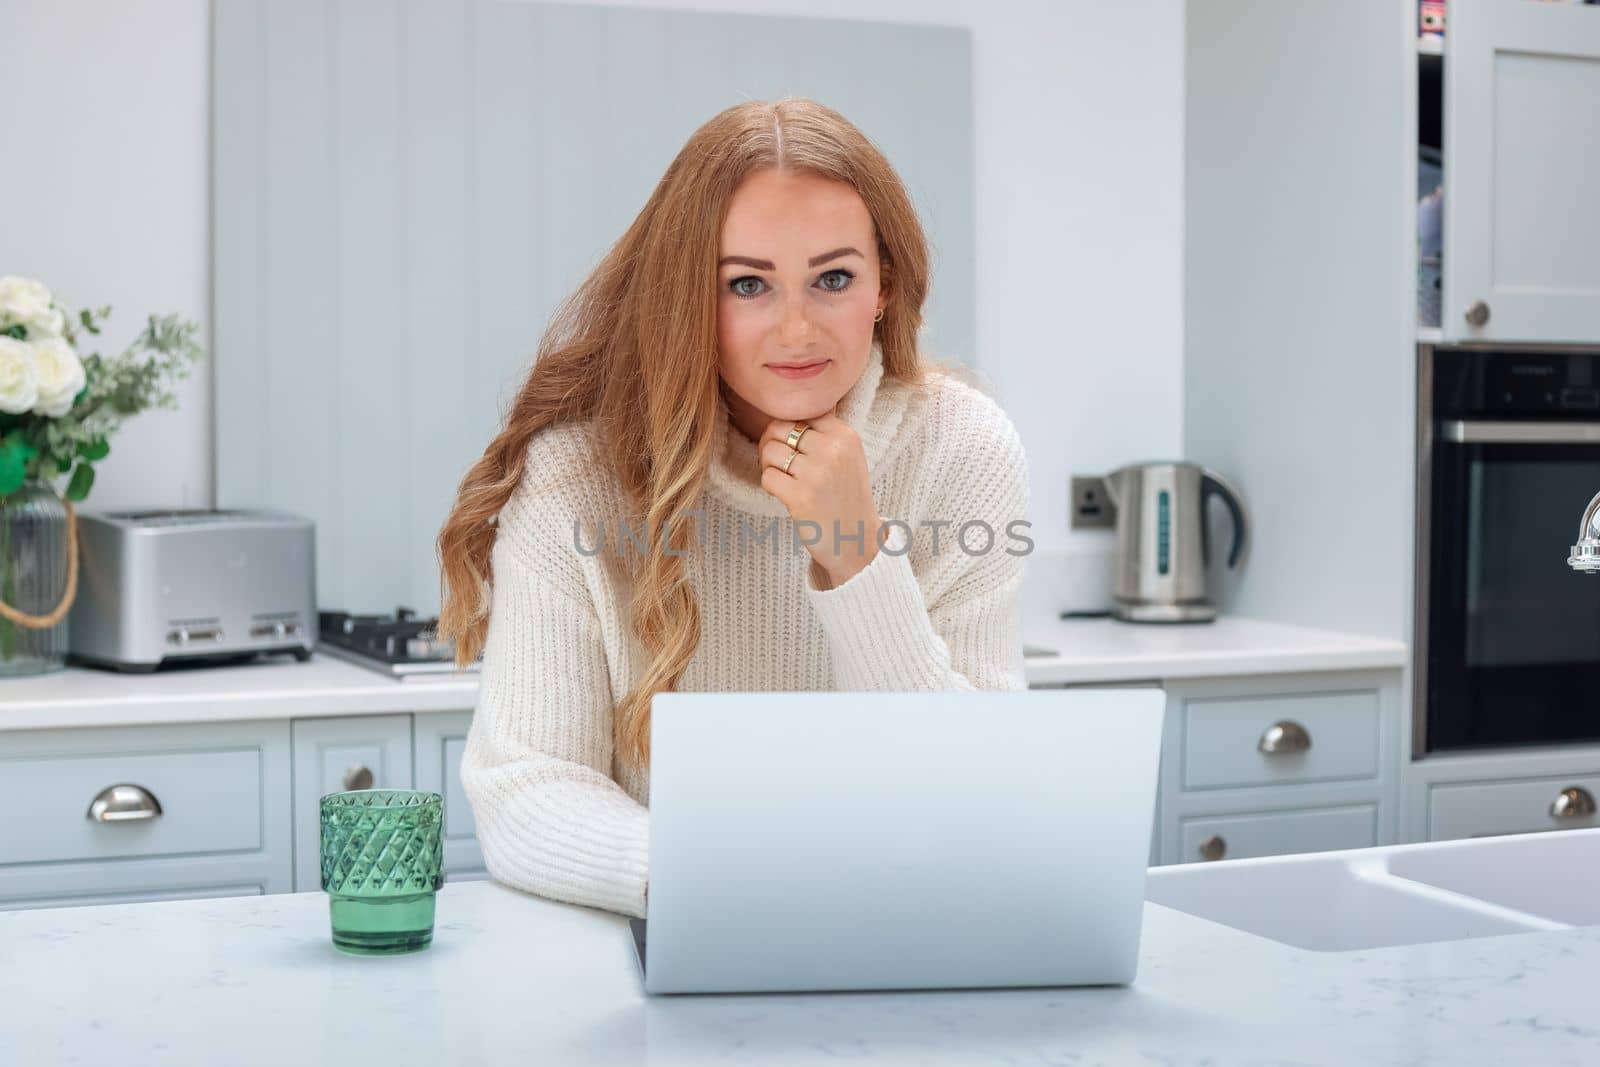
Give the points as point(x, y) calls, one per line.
point(1513, 633)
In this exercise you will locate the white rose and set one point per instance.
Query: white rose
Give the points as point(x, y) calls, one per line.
point(60, 375)
point(28, 302)
point(19, 382)
point(48, 324)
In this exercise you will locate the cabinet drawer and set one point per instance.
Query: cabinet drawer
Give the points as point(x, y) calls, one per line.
point(334, 755)
point(1480, 809)
point(210, 800)
point(1279, 833)
point(218, 874)
point(1222, 739)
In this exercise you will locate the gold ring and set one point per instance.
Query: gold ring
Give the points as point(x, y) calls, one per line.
point(799, 431)
point(789, 462)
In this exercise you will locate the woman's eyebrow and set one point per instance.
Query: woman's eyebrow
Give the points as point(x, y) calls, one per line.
point(766, 264)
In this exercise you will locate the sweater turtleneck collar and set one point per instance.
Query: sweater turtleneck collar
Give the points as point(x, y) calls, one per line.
point(874, 407)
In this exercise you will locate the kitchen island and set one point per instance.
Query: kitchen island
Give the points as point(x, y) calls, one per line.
point(514, 979)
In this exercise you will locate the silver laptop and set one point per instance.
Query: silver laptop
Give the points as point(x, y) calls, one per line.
point(939, 840)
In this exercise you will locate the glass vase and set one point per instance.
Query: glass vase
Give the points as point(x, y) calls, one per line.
point(33, 574)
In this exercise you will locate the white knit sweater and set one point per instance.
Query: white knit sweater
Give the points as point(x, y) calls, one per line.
point(557, 814)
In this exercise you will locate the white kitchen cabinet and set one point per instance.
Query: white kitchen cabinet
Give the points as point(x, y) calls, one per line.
point(440, 739)
point(216, 809)
point(1280, 738)
point(335, 755)
point(240, 798)
point(1268, 765)
point(1275, 764)
point(192, 810)
point(1478, 809)
point(1521, 254)
point(1274, 833)
point(1507, 792)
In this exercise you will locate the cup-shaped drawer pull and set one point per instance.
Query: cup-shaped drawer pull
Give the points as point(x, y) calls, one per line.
point(1573, 802)
point(1213, 848)
point(1285, 736)
point(124, 803)
point(357, 777)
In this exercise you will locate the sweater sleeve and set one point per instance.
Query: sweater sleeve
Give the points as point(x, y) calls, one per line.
point(957, 624)
point(550, 818)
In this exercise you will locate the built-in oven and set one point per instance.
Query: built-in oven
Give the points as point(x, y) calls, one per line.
point(1508, 635)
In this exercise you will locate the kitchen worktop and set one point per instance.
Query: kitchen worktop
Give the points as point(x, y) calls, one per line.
point(271, 687)
point(512, 978)
point(1098, 650)
point(1083, 651)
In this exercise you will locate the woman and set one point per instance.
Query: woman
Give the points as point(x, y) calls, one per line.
point(729, 469)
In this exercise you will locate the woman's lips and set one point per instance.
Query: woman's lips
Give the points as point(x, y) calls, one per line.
point(799, 372)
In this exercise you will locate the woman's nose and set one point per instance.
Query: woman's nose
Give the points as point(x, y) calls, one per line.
point(795, 327)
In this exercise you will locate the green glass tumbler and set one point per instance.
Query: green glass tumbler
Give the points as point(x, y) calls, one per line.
point(382, 863)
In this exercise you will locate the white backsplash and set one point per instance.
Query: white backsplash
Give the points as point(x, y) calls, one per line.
point(1077, 578)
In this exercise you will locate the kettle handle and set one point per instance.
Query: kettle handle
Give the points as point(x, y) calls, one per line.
point(1212, 483)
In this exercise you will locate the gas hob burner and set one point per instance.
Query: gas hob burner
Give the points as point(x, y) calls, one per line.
point(400, 645)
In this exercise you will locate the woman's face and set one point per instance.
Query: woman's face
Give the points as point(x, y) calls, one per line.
point(798, 283)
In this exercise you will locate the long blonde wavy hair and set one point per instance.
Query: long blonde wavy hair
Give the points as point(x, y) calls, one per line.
point(634, 348)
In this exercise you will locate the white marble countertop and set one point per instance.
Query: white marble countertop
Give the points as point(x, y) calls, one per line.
point(1086, 651)
point(271, 687)
point(1100, 650)
point(513, 979)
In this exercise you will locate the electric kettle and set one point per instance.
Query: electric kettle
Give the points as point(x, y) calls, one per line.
point(1162, 548)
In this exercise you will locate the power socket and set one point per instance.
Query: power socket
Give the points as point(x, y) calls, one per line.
point(1091, 504)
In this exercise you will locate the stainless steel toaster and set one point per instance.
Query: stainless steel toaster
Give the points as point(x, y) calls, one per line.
point(159, 587)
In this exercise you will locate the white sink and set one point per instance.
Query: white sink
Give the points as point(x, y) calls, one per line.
point(1554, 875)
point(1396, 895)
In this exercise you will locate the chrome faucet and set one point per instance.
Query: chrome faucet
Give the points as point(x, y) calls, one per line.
point(1586, 553)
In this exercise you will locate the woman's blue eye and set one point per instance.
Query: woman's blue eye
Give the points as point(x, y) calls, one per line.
point(741, 290)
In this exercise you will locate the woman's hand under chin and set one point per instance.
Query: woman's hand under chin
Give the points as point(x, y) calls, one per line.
point(826, 484)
